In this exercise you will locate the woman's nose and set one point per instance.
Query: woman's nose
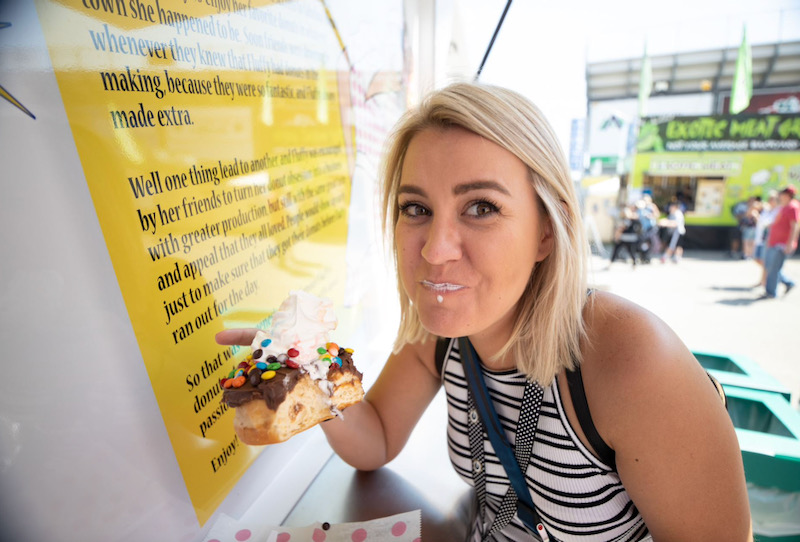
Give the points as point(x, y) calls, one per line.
point(442, 242)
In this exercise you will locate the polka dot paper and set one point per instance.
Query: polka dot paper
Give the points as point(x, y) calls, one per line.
point(406, 527)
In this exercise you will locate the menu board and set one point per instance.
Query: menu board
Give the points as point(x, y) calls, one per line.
point(218, 142)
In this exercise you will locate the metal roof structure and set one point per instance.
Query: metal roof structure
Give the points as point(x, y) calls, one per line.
point(775, 66)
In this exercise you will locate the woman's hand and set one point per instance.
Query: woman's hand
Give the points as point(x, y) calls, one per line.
point(372, 432)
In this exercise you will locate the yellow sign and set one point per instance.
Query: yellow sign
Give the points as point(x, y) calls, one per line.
point(211, 138)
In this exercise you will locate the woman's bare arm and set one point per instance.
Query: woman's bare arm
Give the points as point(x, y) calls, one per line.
point(676, 449)
point(372, 432)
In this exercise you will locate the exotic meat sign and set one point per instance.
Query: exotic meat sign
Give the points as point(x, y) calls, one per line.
point(738, 133)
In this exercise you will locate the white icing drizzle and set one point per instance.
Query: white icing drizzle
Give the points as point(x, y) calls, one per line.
point(302, 322)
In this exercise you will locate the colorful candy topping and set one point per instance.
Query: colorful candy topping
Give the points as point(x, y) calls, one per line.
point(254, 369)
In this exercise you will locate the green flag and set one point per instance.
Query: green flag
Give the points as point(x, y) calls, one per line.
point(645, 83)
point(742, 88)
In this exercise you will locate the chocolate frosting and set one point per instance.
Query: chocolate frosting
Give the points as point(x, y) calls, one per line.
point(274, 390)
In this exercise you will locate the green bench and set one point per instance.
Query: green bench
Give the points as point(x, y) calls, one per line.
point(741, 372)
point(768, 429)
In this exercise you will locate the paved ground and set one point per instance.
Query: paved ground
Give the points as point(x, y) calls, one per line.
point(708, 300)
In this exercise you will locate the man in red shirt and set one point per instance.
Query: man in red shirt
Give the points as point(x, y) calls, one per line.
point(782, 241)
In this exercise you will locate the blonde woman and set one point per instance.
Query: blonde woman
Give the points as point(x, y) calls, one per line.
point(489, 248)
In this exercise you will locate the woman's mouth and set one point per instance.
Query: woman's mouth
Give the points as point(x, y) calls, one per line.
point(441, 287)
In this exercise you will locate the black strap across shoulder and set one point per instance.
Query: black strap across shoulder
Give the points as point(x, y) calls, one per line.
point(720, 390)
point(578, 395)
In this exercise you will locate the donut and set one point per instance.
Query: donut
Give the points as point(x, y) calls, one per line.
point(295, 377)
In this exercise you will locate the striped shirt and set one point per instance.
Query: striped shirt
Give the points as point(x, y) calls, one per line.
point(578, 497)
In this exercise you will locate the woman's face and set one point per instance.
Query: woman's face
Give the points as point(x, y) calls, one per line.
point(469, 233)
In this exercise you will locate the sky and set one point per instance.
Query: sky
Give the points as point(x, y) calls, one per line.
point(543, 47)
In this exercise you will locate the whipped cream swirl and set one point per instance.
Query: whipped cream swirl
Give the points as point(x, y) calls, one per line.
point(302, 322)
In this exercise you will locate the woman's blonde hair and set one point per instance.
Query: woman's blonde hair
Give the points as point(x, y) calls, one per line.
point(549, 325)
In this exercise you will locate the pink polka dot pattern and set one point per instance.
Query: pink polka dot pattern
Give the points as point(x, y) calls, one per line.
point(399, 528)
point(284, 537)
point(359, 535)
point(319, 535)
point(243, 535)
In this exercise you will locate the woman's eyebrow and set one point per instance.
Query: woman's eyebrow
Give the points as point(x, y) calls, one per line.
point(459, 189)
point(480, 185)
point(410, 189)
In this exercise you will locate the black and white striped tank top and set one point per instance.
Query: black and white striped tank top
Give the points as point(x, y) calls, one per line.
point(578, 497)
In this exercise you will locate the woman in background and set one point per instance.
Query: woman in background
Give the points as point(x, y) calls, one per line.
point(675, 227)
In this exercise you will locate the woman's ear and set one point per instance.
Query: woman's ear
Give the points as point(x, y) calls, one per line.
point(546, 239)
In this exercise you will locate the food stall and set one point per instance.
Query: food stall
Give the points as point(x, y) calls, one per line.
point(712, 163)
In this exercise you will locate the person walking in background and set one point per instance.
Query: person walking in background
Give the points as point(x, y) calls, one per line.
point(648, 215)
point(738, 211)
point(627, 234)
point(765, 219)
point(748, 226)
point(676, 228)
point(782, 241)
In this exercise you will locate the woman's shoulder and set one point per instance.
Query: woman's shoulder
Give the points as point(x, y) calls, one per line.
point(628, 347)
point(624, 335)
point(617, 325)
point(631, 356)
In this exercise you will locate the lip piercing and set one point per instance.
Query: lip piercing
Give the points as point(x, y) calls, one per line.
point(439, 298)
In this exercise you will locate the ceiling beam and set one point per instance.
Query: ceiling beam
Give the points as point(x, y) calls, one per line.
point(774, 68)
point(771, 66)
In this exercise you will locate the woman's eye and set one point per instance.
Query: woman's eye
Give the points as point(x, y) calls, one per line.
point(481, 208)
point(413, 209)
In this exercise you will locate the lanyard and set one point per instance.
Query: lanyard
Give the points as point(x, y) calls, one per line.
point(518, 499)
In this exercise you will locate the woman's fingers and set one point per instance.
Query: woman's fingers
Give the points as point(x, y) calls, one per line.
point(236, 336)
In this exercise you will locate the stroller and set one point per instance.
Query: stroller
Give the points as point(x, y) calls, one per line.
point(649, 242)
point(639, 236)
point(629, 237)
